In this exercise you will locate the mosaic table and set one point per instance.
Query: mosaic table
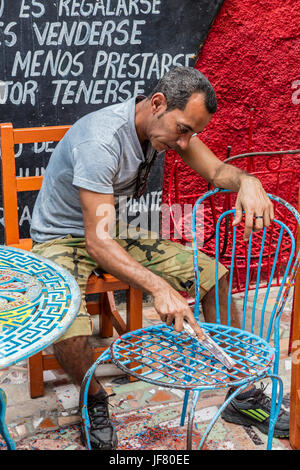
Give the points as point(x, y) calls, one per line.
point(38, 302)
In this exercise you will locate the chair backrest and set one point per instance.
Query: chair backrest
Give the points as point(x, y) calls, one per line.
point(273, 161)
point(279, 177)
point(257, 316)
point(11, 184)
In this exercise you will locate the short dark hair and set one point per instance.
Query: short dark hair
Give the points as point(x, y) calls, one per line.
point(178, 85)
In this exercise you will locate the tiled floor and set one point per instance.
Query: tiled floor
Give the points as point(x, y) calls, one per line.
point(146, 416)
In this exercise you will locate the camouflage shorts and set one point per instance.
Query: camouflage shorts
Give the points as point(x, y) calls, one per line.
point(172, 261)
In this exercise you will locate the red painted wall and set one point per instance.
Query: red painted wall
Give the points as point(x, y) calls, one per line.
point(252, 58)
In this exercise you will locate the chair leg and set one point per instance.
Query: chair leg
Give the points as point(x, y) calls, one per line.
point(191, 415)
point(36, 378)
point(134, 315)
point(218, 413)
point(3, 428)
point(184, 407)
point(134, 320)
point(105, 310)
point(275, 408)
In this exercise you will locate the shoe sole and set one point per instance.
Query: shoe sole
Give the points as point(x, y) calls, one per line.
point(244, 421)
point(84, 442)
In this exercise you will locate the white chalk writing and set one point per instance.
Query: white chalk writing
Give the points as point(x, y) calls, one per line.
point(148, 202)
point(18, 93)
point(32, 7)
point(37, 171)
point(93, 51)
point(25, 216)
point(108, 7)
point(81, 52)
point(82, 33)
point(8, 33)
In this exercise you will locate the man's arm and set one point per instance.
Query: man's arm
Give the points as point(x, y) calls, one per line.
point(251, 198)
point(98, 215)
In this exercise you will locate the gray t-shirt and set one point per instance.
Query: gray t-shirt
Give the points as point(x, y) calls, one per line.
point(100, 152)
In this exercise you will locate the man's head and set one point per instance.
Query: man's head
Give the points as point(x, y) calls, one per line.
point(180, 83)
point(182, 104)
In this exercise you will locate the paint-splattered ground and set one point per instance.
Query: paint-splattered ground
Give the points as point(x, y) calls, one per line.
point(145, 416)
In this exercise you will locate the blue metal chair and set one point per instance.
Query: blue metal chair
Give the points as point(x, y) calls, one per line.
point(161, 356)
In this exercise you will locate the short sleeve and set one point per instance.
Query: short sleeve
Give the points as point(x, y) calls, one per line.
point(95, 166)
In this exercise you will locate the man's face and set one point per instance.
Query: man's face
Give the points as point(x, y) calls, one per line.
point(174, 129)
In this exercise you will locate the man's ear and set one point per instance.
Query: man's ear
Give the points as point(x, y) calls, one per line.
point(158, 103)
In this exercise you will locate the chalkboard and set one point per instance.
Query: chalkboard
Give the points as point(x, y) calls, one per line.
point(62, 59)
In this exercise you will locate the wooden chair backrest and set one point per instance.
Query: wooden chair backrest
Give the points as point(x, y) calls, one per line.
point(11, 184)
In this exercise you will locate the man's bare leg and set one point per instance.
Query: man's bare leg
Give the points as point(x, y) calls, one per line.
point(75, 355)
point(209, 305)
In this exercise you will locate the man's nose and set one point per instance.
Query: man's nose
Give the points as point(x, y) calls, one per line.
point(183, 141)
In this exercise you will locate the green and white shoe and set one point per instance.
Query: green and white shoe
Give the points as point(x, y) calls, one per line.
point(252, 408)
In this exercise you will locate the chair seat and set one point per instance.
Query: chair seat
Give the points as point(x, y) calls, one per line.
point(159, 355)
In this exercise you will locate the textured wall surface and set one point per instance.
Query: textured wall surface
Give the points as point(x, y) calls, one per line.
point(251, 56)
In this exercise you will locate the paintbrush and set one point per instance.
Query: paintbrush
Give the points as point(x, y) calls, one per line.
point(211, 346)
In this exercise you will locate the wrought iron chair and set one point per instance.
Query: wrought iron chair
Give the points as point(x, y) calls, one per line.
point(277, 171)
point(161, 356)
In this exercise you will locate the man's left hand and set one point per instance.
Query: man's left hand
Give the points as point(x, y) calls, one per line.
point(253, 199)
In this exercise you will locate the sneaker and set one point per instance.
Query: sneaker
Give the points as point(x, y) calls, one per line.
point(102, 434)
point(252, 408)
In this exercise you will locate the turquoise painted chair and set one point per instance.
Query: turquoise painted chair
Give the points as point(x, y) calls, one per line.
point(163, 357)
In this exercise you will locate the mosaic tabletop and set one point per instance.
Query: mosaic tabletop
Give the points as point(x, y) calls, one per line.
point(38, 302)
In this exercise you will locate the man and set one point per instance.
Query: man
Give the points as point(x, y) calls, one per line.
point(99, 159)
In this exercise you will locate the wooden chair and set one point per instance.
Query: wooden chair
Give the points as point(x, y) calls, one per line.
point(295, 370)
point(103, 284)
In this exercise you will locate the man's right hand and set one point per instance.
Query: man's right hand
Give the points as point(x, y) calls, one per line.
point(173, 308)
point(98, 215)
